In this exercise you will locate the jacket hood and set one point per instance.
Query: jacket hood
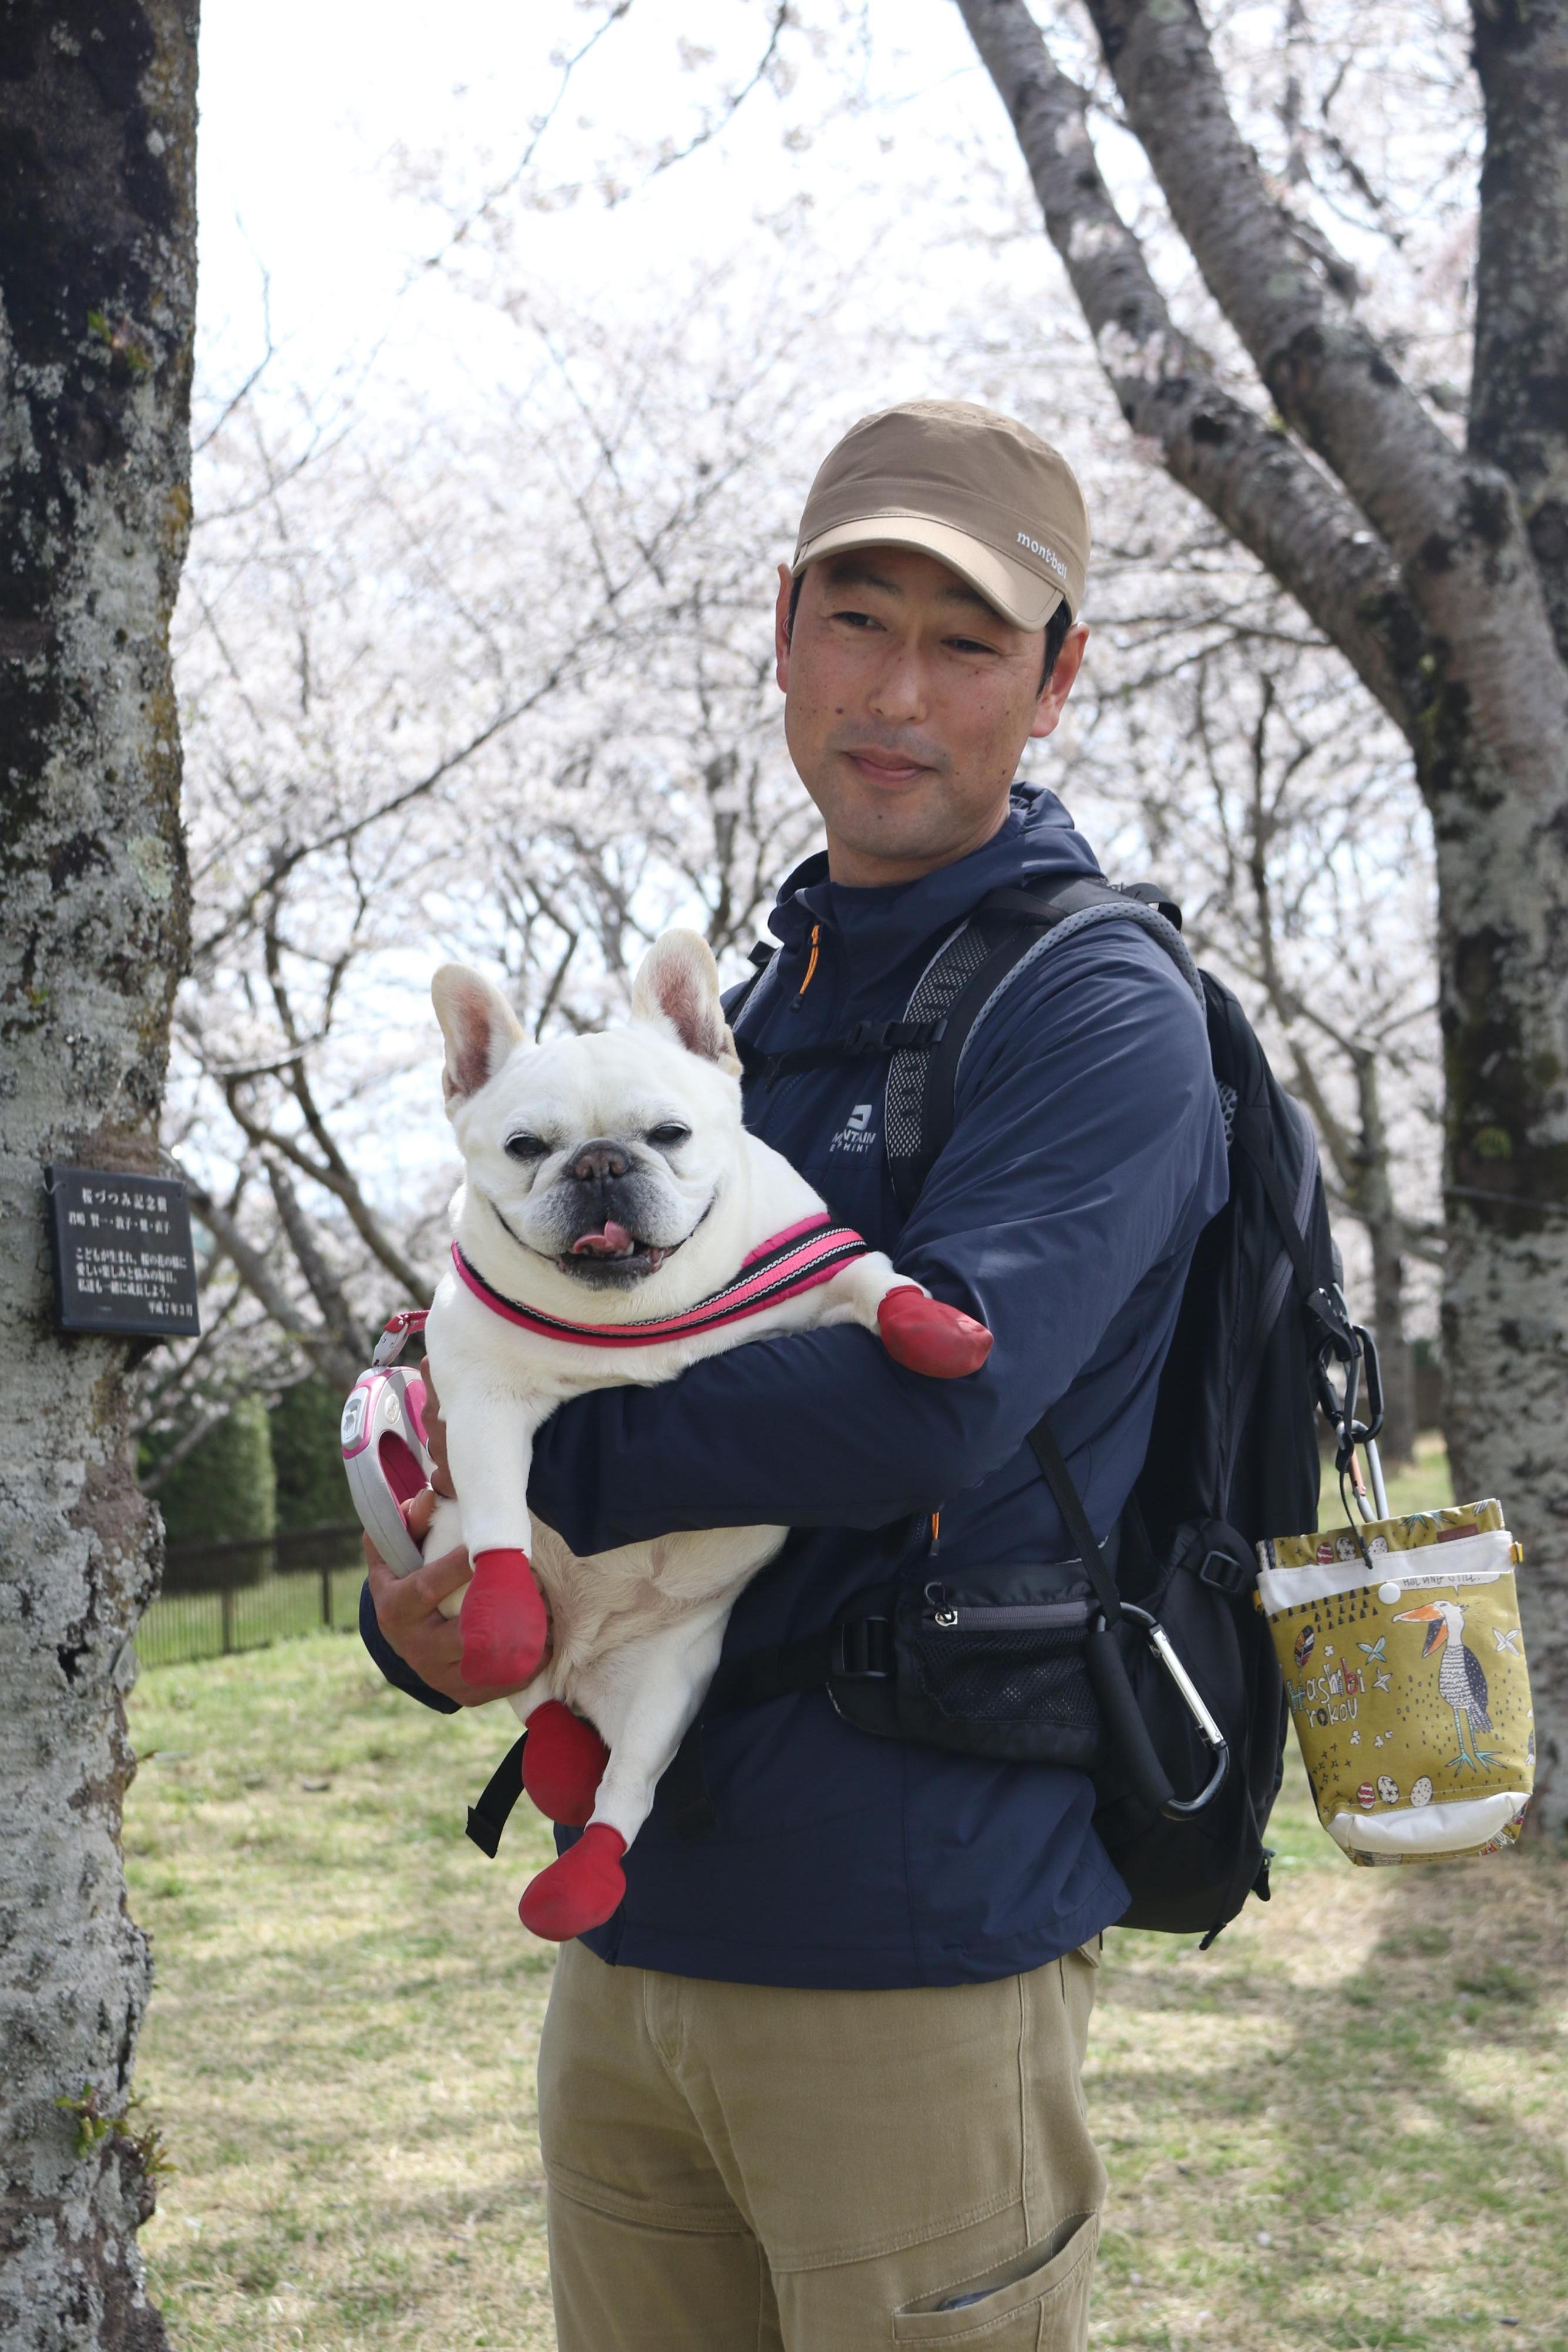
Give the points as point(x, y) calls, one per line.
point(1037, 838)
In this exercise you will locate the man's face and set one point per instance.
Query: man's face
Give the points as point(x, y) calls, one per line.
point(908, 701)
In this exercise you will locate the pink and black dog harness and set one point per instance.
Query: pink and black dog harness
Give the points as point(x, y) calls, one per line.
point(799, 1258)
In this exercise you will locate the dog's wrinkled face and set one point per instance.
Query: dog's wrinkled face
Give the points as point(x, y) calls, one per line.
point(599, 1155)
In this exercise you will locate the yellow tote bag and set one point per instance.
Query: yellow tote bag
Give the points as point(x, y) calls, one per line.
point(1407, 1678)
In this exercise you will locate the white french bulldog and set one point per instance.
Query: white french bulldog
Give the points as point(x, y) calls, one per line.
point(617, 1223)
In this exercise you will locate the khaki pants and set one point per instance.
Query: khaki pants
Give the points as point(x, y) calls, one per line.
point(740, 2169)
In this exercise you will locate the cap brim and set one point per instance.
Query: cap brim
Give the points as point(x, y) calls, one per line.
point(1020, 595)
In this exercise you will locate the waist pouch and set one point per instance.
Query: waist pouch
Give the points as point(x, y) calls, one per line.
point(1014, 1663)
point(989, 1662)
point(1018, 1663)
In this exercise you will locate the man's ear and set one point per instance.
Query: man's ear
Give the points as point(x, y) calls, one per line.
point(781, 628)
point(1053, 695)
point(479, 1027)
point(678, 981)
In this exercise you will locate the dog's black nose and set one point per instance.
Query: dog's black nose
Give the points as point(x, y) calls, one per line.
point(599, 1159)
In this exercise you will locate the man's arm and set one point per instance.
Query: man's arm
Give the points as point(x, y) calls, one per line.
point(1088, 1123)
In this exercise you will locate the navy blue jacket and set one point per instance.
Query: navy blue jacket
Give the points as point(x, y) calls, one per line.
point(1087, 1155)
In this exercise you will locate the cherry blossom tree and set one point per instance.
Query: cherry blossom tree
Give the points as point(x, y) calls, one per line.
point(1421, 525)
point(97, 295)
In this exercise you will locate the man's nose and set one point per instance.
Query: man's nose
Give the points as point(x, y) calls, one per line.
point(599, 1159)
point(898, 695)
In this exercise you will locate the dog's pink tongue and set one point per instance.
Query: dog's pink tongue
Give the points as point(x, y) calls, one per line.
point(609, 1243)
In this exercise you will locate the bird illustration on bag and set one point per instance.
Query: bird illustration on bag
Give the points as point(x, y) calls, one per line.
point(1460, 1681)
point(1452, 1574)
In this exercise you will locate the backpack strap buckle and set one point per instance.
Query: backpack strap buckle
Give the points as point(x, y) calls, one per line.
point(865, 1037)
point(1227, 1575)
point(862, 1650)
point(891, 1038)
point(1221, 1558)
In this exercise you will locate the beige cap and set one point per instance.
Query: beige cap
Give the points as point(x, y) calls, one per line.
point(977, 490)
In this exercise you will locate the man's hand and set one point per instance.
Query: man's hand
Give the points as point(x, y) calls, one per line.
point(407, 1610)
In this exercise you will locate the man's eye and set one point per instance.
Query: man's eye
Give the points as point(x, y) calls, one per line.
point(857, 620)
point(667, 1136)
point(970, 645)
point(526, 1147)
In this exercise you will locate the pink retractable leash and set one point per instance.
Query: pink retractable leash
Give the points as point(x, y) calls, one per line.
point(382, 1438)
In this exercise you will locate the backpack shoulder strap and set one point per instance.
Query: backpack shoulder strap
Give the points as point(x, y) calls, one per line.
point(1014, 923)
point(735, 1000)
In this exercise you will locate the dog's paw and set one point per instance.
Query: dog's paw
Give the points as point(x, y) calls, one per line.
point(927, 1337)
point(504, 1622)
point(564, 1760)
point(579, 1891)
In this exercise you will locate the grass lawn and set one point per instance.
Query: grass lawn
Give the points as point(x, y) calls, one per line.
point(1343, 2127)
point(1422, 1485)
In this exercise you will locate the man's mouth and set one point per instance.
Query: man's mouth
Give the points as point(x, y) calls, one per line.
point(885, 767)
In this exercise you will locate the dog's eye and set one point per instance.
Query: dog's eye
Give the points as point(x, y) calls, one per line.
point(526, 1147)
point(667, 1136)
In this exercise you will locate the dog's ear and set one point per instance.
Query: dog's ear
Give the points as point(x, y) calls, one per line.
point(678, 980)
point(479, 1027)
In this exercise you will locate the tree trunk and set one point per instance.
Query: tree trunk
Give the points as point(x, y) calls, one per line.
point(1503, 862)
point(97, 295)
point(1501, 826)
point(1396, 1356)
point(1456, 626)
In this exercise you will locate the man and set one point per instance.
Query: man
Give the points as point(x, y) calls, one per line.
point(816, 2085)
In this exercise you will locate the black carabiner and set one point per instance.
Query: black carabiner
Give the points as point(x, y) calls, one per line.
point(1340, 1409)
point(1140, 1748)
point(1369, 1428)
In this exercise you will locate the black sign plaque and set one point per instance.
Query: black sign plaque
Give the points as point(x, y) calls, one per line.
point(122, 1253)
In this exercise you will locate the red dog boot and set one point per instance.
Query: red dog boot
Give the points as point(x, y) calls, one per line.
point(580, 1890)
point(504, 1622)
point(564, 1760)
point(927, 1337)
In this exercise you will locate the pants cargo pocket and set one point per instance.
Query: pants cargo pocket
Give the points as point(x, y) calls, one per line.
point(1039, 2299)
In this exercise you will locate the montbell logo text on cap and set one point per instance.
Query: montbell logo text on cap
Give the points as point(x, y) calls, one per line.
point(1046, 554)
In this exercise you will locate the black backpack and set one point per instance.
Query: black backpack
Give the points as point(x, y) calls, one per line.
point(1145, 1661)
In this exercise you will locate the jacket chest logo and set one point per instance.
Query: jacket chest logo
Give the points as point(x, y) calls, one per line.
point(856, 1135)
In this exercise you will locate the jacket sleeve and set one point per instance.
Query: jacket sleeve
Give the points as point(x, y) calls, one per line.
point(398, 1673)
point(1087, 1145)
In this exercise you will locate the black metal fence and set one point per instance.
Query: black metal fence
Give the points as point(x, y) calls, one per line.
point(221, 1597)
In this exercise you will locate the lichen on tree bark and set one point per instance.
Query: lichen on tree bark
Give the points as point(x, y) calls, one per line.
point(96, 300)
